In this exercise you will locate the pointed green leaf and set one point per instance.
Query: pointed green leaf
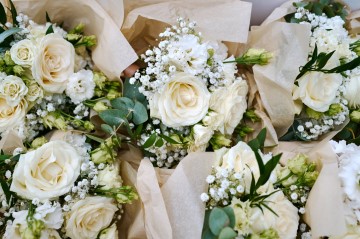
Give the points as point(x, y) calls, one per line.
point(49, 30)
point(13, 12)
point(140, 114)
point(96, 139)
point(321, 62)
point(47, 17)
point(169, 140)
point(3, 18)
point(6, 189)
point(150, 141)
point(159, 143)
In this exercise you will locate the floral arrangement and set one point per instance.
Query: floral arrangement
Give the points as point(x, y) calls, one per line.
point(55, 184)
point(325, 90)
point(252, 196)
point(349, 171)
point(194, 95)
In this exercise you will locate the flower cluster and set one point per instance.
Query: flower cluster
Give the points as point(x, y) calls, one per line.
point(349, 174)
point(270, 210)
point(193, 92)
point(322, 95)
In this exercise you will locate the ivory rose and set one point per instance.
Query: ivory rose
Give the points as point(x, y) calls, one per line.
point(13, 89)
point(47, 172)
point(23, 53)
point(89, 216)
point(317, 90)
point(54, 63)
point(183, 101)
point(10, 117)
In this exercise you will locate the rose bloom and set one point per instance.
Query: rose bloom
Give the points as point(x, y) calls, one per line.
point(184, 101)
point(351, 93)
point(47, 172)
point(10, 117)
point(230, 102)
point(317, 90)
point(89, 216)
point(54, 63)
point(13, 89)
point(35, 92)
point(23, 53)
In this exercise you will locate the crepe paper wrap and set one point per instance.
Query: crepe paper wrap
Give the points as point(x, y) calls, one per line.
point(111, 55)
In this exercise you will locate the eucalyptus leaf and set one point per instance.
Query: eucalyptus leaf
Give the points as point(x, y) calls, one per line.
point(150, 141)
point(140, 114)
point(107, 128)
point(113, 117)
point(8, 33)
point(218, 220)
point(227, 233)
point(230, 212)
point(132, 91)
point(122, 103)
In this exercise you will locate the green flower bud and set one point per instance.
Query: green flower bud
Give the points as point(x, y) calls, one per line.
point(78, 29)
point(54, 119)
point(2, 62)
point(313, 114)
point(8, 60)
point(18, 70)
point(334, 109)
point(98, 92)
point(219, 140)
point(269, 234)
point(310, 178)
point(38, 142)
point(298, 165)
point(257, 56)
point(355, 116)
point(250, 114)
point(112, 94)
point(284, 173)
point(89, 126)
point(124, 194)
point(100, 155)
point(89, 41)
point(311, 167)
point(73, 37)
point(100, 106)
point(99, 79)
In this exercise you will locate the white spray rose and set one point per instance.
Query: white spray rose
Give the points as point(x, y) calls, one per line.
point(11, 117)
point(109, 177)
point(35, 92)
point(110, 233)
point(89, 216)
point(47, 172)
point(230, 102)
point(352, 89)
point(13, 89)
point(80, 86)
point(23, 53)
point(183, 101)
point(317, 90)
point(54, 63)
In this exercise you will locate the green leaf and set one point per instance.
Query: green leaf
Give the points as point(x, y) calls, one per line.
point(47, 17)
point(159, 143)
point(5, 187)
point(218, 220)
point(138, 130)
point(323, 58)
point(169, 140)
point(348, 66)
point(227, 233)
point(107, 128)
point(230, 212)
point(113, 117)
point(268, 168)
point(3, 18)
point(8, 33)
point(13, 12)
point(150, 141)
point(49, 30)
point(96, 139)
point(132, 92)
point(140, 114)
point(122, 103)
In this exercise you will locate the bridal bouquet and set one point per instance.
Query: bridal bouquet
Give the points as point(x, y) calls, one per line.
point(195, 97)
point(326, 88)
point(252, 196)
point(54, 184)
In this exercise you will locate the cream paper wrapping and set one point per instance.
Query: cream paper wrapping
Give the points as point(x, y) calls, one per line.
point(112, 53)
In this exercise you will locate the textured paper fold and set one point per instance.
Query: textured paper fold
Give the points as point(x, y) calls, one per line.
point(147, 19)
point(112, 53)
point(290, 46)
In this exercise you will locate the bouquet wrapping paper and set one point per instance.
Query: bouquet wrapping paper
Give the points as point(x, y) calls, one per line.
point(112, 53)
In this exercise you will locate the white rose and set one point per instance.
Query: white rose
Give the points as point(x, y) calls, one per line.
point(89, 216)
point(11, 117)
point(54, 63)
point(351, 93)
point(242, 159)
point(37, 32)
point(230, 102)
point(80, 86)
point(35, 92)
point(109, 177)
point(110, 233)
point(184, 101)
point(23, 53)
point(202, 134)
point(47, 172)
point(13, 89)
point(317, 90)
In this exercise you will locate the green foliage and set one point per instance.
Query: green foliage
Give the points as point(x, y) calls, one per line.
point(330, 8)
point(132, 91)
point(219, 223)
point(49, 30)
